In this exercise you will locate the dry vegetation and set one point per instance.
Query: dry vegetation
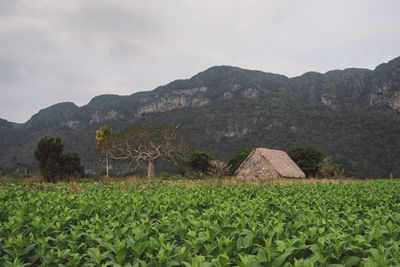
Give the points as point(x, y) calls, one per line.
point(137, 182)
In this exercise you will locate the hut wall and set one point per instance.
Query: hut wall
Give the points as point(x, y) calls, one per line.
point(257, 166)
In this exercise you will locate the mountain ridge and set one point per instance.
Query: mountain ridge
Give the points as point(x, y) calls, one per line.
point(95, 98)
point(250, 106)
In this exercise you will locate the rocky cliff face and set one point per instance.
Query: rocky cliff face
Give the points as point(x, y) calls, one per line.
point(385, 91)
point(191, 97)
point(227, 109)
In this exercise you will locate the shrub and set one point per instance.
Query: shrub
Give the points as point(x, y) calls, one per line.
point(48, 154)
point(329, 168)
point(53, 165)
point(71, 165)
point(164, 175)
point(234, 163)
point(218, 168)
point(199, 162)
point(308, 159)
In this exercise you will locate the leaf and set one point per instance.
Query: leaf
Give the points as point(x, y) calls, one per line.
point(351, 261)
point(375, 254)
point(245, 241)
point(261, 256)
point(281, 245)
point(281, 259)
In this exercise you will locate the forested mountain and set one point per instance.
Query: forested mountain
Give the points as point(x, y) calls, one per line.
point(352, 115)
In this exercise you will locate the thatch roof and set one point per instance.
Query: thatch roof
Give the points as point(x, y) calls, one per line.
point(277, 159)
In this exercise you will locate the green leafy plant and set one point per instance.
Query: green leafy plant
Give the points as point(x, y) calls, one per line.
point(162, 223)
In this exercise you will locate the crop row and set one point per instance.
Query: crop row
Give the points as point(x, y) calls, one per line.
point(355, 224)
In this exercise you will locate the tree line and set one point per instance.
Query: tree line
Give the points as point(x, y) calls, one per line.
point(141, 146)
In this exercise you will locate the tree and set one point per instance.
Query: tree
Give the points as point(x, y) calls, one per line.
point(53, 164)
point(218, 168)
point(71, 165)
point(104, 143)
point(48, 154)
point(329, 168)
point(235, 162)
point(143, 145)
point(308, 159)
point(199, 162)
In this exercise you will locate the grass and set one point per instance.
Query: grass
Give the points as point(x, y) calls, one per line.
point(137, 182)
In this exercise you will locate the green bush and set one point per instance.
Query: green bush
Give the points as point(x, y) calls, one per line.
point(71, 165)
point(234, 163)
point(198, 162)
point(307, 158)
point(48, 154)
point(53, 164)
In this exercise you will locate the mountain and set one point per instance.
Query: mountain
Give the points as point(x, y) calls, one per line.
point(351, 115)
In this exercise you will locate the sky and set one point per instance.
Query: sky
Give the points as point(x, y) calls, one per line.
point(58, 51)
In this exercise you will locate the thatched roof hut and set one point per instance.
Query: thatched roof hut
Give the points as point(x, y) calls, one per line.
point(268, 163)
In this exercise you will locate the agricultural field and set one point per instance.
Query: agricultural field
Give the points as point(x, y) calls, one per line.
point(173, 223)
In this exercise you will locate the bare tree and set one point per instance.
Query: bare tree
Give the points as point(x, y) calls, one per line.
point(218, 168)
point(143, 145)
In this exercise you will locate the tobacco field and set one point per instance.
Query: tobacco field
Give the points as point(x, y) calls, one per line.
point(122, 224)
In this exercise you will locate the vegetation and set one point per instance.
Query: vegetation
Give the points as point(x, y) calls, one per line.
point(143, 145)
point(199, 162)
point(329, 168)
point(235, 162)
point(3, 170)
point(71, 165)
point(151, 223)
point(218, 169)
point(48, 154)
point(344, 114)
point(104, 144)
point(308, 159)
point(53, 164)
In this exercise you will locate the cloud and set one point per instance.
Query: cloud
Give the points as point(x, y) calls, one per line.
point(54, 51)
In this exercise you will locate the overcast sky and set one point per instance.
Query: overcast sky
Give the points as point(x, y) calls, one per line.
point(72, 50)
